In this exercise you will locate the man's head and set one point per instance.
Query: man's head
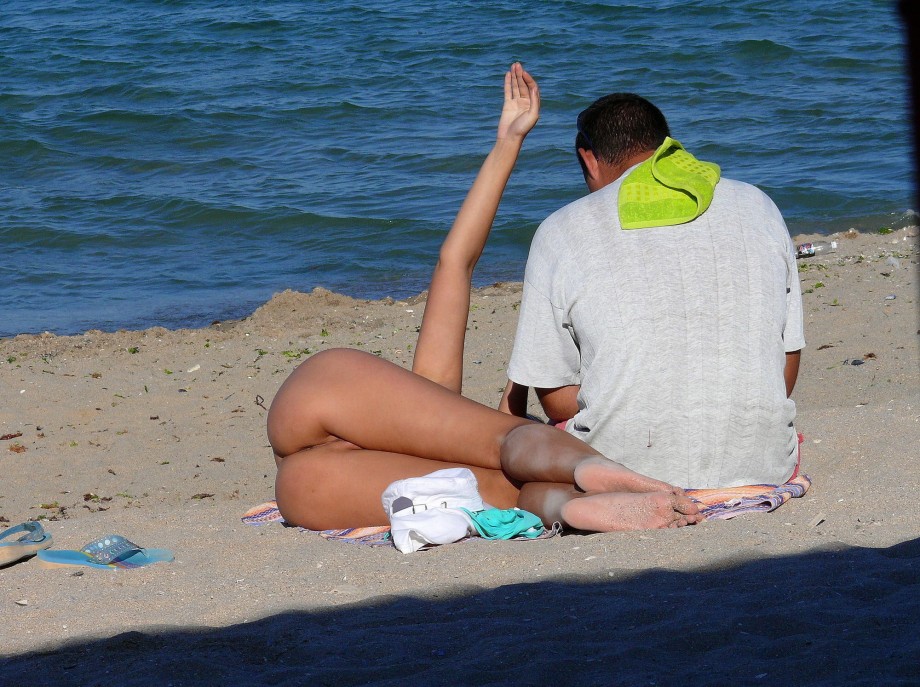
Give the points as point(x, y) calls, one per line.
point(614, 133)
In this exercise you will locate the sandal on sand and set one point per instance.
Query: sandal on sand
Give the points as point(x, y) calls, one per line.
point(110, 552)
point(32, 538)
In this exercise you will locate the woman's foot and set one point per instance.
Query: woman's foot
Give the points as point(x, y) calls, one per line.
point(596, 473)
point(617, 512)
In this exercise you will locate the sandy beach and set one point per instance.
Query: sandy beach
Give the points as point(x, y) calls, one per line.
point(159, 436)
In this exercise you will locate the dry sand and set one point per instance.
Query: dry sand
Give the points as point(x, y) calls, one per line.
point(160, 436)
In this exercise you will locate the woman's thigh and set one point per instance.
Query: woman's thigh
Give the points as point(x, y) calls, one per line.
point(369, 402)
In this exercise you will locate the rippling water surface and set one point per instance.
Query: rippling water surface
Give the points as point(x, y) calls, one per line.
point(169, 163)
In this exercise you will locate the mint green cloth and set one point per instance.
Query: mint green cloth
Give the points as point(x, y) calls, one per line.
point(671, 187)
point(494, 523)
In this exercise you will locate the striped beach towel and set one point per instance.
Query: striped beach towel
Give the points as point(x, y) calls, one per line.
point(715, 504)
point(369, 536)
point(730, 502)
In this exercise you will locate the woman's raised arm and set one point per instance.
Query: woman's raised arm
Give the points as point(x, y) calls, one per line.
point(439, 352)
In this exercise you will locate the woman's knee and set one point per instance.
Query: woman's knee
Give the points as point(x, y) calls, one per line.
point(298, 413)
point(324, 373)
point(299, 399)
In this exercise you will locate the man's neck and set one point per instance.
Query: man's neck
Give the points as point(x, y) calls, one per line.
point(616, 171)
point(607, 174)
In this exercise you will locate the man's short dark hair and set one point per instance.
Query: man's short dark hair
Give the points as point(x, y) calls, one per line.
point(621, 125)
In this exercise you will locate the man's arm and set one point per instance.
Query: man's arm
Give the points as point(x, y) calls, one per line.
point(560, 403)
point(514, 399)
point(791, 371)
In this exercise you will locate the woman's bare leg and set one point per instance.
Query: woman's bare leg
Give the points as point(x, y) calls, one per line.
point(346, 424)
point(567, 481)
point(528, 457)
point(374, 404)
point(607, 511)
point(338, 485)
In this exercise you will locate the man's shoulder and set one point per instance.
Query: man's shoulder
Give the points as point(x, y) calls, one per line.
point(741, 190)
point(733, 197)
point(738, 185)
point(562, 237)
point(582, 213)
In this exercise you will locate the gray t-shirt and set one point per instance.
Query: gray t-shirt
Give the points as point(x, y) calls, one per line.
point(677, 336)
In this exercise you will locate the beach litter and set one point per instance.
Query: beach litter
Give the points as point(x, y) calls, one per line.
point(817, 520)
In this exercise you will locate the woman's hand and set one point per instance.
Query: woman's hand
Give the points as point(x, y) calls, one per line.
point(522, 104)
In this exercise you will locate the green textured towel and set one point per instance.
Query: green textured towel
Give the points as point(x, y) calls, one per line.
point(671, 187)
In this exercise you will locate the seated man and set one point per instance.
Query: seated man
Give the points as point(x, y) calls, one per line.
point(662, 313)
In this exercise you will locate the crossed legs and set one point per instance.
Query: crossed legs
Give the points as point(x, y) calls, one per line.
point(586, 491)
point(346, 424)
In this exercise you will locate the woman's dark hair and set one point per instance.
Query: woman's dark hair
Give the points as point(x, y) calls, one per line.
point(620, 125)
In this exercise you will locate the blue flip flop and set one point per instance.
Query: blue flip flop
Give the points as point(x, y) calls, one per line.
point(32, 538)
point(110, 552)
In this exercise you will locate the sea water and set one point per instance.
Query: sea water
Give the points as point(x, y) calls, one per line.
point(170, 163)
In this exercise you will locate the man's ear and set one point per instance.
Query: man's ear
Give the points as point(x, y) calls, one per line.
point(590, 167)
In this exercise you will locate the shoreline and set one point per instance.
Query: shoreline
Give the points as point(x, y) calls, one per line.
point(159, 435)
point(896, 239)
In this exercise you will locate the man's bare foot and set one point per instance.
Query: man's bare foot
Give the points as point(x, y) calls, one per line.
point(617, 512)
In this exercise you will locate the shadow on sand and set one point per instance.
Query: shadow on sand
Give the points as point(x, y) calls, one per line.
point(846, 616)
